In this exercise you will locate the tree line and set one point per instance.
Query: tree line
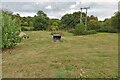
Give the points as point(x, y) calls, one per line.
point(68, 21)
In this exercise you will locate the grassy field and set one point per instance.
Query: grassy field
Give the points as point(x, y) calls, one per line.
point(91, 56)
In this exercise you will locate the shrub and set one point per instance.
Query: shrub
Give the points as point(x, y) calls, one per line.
point(9, 31)
point(79, 29)
point(108, 29)
point(24, 28)
point(112, 30)
point(103, 29)
point(91, 32)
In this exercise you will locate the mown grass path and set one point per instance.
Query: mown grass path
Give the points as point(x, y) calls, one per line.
point(92, 56)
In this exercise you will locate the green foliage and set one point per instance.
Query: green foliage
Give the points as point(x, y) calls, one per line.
point(112, 30)
point(69, 21)
point(9, 31)
point(93, 25)
point(25, 24)
point(111, 25)
point(55, 20)
point(41, 13)
point(92, 17)
point(41, 21)
point(103, 29)
point(79, 29)
point(27, 21)
point(54, 26)
point(115, 20)
point(30, 24)
point(106, 22)
point(24, 28)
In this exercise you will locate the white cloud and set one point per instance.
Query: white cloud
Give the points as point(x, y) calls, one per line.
point(48, 7)
point(52, 16)
point(25, 14)
point(75, 5)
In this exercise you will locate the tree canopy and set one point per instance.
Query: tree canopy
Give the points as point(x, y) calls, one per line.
point(41, 21)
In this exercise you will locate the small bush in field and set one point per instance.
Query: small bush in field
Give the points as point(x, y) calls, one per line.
point(79, 29)
point(9, 31)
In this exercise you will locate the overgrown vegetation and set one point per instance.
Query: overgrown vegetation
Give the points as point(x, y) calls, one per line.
point(69, 21)
point(80, 30)
point(10, 31)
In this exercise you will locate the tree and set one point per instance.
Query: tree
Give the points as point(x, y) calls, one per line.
point(111, 24)
point(69, 21)
point(41, 13)
point(41, 21)
point(93, 25)
point(115, 21)
point(54, 26)
point(92, 17)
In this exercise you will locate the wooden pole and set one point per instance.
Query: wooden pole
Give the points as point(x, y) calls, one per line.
point(81, 16)
point(86, 8)
point(86, 20)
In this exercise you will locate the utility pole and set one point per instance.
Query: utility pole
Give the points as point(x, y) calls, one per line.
point(86, 8)
point(81, 16)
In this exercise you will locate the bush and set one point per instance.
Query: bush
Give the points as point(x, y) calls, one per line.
point(103, 29)
point(108, 29)
point(93, 25)
point(112, 30)
point(79, 29)
point(26, 28)
point(9, 31)
point(91, 32)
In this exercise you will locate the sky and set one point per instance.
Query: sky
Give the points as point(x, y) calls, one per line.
point(56, 9)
